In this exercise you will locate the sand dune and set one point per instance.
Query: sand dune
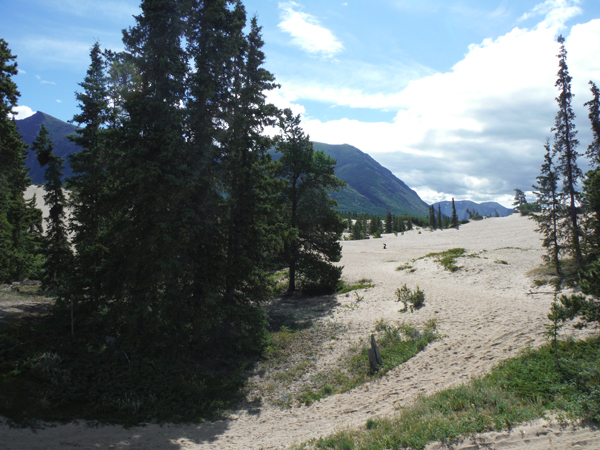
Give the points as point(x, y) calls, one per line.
point(487, 311)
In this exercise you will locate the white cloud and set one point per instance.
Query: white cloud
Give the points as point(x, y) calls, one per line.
point(48, 82)
point(58, 101)
point(22, 112)
point(478, 130)
point(306, 31)
point(357, 84)
point(21, 71)
point(284, 100)
point(556, 12)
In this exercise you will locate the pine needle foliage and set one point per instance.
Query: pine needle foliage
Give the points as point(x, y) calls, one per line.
point(20, 221)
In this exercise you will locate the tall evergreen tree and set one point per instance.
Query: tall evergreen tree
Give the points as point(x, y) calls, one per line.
point(565, 145)
point(145, 273)
point(313, 228)
point(388, 222)
point(19, 220)
point(454, 218)
point(409, 224)
point(546, 192)
point(57, 250)
point(439, 218)
point(90, 210)
point(432, 220)
point(250, 187)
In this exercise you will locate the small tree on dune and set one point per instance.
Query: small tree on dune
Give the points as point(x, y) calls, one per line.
point(454, 219)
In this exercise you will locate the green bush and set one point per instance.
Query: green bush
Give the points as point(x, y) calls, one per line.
point(411, 300)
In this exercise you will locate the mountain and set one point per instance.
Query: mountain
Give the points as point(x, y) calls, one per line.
point(371, 188)
point(484, 209)
point(57, 131)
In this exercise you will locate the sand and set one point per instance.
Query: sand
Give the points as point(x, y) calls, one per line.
point(487, 311)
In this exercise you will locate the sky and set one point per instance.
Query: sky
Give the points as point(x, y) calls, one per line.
point(455, 97)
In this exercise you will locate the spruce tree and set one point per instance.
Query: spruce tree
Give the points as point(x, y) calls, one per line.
point(439, 218)
point(56, 247)
point(547, 194)
point(90, 211)
point(250, 185)
point(409, 224)
point(146, 271)
point(454, 218)
point(19, 220)
point(388, 222)
point(432, 220)
point(313, 228)
point(565, 145)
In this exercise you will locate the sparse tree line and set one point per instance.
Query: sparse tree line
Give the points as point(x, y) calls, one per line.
point(569, 218)
point(178, 213)
point(362, 226)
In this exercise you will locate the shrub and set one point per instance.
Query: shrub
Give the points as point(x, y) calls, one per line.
point(411, 300)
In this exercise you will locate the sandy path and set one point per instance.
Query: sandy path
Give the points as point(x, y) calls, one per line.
point(484, 310)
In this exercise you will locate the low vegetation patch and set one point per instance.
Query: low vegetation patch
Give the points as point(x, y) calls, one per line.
point(447, 258)
point(362, 284)
point(397, 344)
point(405, 266)
point(292, 376)
point(517, 390)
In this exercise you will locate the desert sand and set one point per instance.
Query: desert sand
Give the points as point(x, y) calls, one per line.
point(487, 311)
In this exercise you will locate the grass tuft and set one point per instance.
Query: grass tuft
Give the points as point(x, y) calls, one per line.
point(362, 284)
point(447, 258)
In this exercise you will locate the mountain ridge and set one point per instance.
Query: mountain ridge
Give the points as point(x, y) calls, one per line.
point(57, 131)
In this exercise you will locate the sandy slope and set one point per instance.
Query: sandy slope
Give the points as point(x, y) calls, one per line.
point(487, 311)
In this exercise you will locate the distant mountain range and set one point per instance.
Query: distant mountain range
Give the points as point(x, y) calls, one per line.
point(370, 188)
point(484, 209)
point(57, 132)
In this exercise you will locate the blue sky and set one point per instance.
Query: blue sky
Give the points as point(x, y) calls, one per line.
point(455, 97)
